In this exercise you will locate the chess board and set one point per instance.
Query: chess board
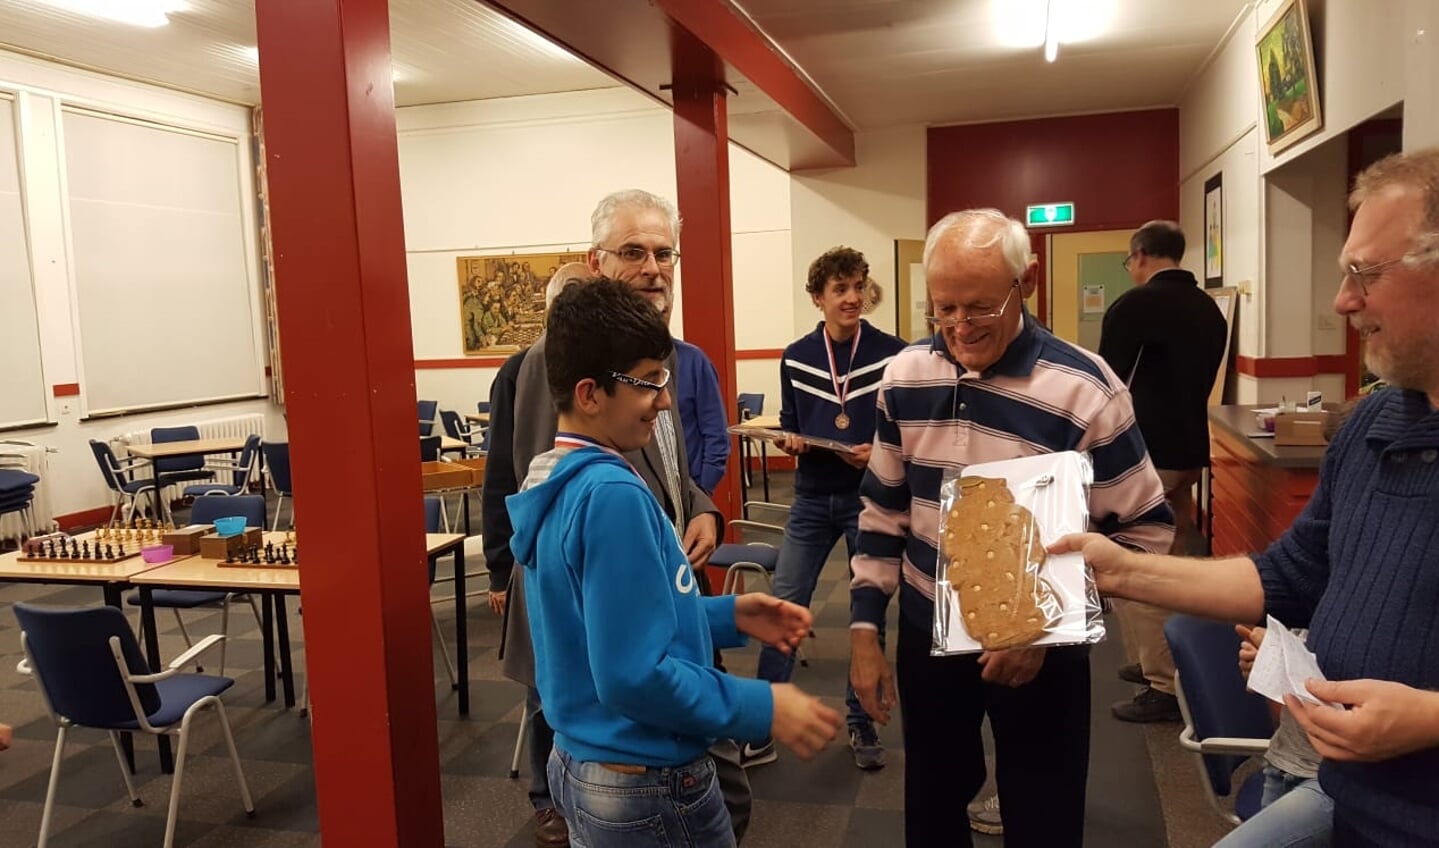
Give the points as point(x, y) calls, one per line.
point(85, 548)
point(286, 554)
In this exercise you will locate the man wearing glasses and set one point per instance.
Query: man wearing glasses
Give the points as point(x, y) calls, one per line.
point(633, 235)
point(1166, 338)
point(1360, 565)
point(991, 385)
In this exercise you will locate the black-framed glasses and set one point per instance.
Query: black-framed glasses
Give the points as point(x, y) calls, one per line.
point(640, 383)
point(951, 321)
point(1366, 276)
point(633, 254)
point(1129, 260)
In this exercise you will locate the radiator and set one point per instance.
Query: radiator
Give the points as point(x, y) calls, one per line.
point(31, 458)
point(233, 427)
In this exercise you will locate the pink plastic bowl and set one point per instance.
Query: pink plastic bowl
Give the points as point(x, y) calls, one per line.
point(158, 553)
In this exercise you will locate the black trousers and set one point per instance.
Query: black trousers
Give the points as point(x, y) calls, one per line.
point(1041, 738)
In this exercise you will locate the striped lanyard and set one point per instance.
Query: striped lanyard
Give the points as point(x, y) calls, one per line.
point(841, 391)
point(575, 441)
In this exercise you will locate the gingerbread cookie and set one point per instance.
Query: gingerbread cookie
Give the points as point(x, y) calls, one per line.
point(991, 541)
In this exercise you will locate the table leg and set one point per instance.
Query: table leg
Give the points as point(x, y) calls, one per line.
point(264, 504)
point(267, 641)
point(282, 626)
point(152, 656)
point(462, 644)
point(127, 742)
point(764, 470)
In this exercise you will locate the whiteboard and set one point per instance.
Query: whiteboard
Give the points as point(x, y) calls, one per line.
point(22, 383)
point(161, 263)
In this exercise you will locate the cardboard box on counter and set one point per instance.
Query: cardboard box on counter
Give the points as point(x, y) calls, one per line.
point(1300, 428)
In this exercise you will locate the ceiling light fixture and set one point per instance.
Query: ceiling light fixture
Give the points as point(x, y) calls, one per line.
point(141, 13)
point(1028, 24)
point(1051, 33)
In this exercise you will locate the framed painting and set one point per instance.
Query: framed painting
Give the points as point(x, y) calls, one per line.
point(1214, 231)
point(1288, 87)
point(502, 300)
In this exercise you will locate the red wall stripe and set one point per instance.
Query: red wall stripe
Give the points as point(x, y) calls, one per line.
point(1292, 366)
point(83, 518)
point(760, 353)
point(66, 389)
point(472, 362)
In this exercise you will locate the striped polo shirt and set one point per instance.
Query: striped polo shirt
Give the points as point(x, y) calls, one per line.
point(1043, 395)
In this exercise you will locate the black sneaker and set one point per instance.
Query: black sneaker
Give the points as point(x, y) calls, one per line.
point(1148, 706)
point(1132, 673)
point(751, 754)
point(868, 750)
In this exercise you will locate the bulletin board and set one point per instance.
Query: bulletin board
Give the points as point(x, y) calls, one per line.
point(1224, 298)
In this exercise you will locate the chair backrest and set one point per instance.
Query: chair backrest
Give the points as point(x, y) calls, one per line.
point(432, 514)
point(1206, 656)
point(109, 465)
point(429, 448)
point(206, 510)
point(751, 404)
point(69, 650)
point(179, 463)
point(427, 416)
point(247, 462)
point(454, 428)
point(277, 463)
point(482, 407)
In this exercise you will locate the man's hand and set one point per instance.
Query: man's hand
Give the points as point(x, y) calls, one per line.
point(860, 457)
point(1111, 563)
point(1384, 719)
point(870, 675)
point(5, 736)
point(801, 722)
point(779, 624)
point(497, 602)
point(1249, 648)
point(700, 538)
point(1012, 668)
point(791, 444)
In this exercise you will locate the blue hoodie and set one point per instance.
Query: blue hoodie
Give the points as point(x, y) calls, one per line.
point(623, 640)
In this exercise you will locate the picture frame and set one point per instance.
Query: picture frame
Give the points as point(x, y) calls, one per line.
point(1288, 85)
point(502, 300)
point(1214, 231)
point(911, 303)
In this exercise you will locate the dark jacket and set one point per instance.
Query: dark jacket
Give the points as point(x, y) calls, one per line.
point(500, 477)
point(1166, 339)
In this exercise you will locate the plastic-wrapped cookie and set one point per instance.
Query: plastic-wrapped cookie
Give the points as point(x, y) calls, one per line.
point(995, 556)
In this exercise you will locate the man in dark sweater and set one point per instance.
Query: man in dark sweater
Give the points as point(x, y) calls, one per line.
point(1165, 338)
point(827, 389)
point(1360, 566)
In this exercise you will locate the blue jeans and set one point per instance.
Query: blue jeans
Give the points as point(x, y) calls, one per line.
point(679, 805)
point(1296, 814)
point(816, 522)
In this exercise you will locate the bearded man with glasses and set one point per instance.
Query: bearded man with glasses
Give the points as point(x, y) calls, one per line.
point(992, 384)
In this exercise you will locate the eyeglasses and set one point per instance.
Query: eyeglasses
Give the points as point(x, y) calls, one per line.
point(1369, 274)
point(1133, 254)
point(644, 384)
point(950, 321)
point(633, 254)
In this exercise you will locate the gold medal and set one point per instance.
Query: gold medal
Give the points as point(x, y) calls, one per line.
point(841, 421)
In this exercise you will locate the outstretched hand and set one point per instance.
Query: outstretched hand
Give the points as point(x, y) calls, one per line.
point(1108, 560)
point(779, 624)
point(1384, 719)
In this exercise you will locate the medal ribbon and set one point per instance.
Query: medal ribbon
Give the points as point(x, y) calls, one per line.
point(841, 391)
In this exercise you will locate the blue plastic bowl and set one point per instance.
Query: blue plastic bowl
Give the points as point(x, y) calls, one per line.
point(232, 525)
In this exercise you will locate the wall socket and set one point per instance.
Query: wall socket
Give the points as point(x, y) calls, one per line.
point(64, 409)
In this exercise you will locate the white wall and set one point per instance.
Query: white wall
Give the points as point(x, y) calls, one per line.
point(40, 88)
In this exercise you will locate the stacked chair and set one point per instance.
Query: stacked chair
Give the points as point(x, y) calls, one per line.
point(17, 493)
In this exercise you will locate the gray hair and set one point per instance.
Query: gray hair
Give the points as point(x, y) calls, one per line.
point(1416, 171)
point(565, 276)
point(603, 216)
point(983, 229)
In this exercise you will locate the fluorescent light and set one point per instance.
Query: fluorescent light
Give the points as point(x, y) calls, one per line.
point(143, 13)
point(1021, 24)
point(1051, 33)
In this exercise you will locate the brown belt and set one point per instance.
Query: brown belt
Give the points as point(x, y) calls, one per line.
point(623, 768)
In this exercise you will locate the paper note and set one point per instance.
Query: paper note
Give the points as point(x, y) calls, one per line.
point(1283, 664)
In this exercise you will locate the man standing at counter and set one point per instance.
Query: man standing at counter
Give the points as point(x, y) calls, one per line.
point(1165, 338)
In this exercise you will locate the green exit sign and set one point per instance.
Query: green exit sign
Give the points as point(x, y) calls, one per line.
point(1050, 215)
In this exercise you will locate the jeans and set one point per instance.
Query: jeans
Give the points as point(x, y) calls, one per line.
point(1295, 814)
point(678, 805)
point(539, 739)
point(816, 522)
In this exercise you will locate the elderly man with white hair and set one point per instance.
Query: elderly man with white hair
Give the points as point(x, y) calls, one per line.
point(992, 384)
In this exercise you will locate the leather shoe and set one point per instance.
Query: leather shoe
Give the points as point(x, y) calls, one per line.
point(1148, 706)
point(1132, 673)
point(550, 829)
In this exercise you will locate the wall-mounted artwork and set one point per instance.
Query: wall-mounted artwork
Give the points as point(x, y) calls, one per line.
point(1288, 86)
point(502, 300)
point(1214, 231)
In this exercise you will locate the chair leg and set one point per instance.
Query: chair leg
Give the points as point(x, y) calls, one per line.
point(125, 769)
point(179, 774)
point(235, 759)
point(444, 515)
point(520, 742)
point(224, 631)
point(279, 505)
point(305, 695)
point(444, 650)
point(54, 781)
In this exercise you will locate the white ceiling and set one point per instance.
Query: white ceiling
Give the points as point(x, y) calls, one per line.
point(881, 62)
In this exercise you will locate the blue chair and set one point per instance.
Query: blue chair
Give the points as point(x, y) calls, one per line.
point(751, 405)
point(120, 479)
point(1224, 724)
point(91, 674)
point(205, 511)
point(17, 493)
point(172, 471)
point(427, 416)
point(277, 463)
point(241, 470)
point(483, 407)
point(430, 448)
point(456, 428)
point(756, 553)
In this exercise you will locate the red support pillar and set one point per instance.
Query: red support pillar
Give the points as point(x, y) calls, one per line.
point(344, 315)
point(702, 182)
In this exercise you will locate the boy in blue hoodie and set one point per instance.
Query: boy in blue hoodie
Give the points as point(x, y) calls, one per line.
point(623, 639)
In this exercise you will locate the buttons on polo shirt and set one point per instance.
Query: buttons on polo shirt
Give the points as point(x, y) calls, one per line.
point(963, 407)
point(1429, 455)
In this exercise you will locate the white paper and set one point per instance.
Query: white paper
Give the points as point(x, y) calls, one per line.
point(1282, 665)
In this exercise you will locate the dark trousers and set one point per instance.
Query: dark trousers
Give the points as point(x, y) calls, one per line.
point(1041, 739)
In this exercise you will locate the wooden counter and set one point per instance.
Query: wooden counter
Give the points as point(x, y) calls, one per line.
point(1257, 488)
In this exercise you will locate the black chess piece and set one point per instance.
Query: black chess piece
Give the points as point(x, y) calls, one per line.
point(121, 550)
point(284, 554)
point(295, 554)
point(109, 551)
point(86, 551)
point(269, 552)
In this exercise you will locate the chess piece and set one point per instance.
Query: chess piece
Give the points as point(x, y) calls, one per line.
point(229, 556)
point(86, 552)
point(51, 546)
point(284, 554)
point(121, 550)
point(269, 553)
point(289, 537)
point(109, 551)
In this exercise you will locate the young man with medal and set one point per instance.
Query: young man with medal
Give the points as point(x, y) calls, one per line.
point(828, 380)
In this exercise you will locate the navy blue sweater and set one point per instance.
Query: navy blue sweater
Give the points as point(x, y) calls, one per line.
point(1360, 566)
point(808, 404)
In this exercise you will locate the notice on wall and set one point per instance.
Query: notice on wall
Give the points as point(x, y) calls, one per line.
point(1092, 300)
